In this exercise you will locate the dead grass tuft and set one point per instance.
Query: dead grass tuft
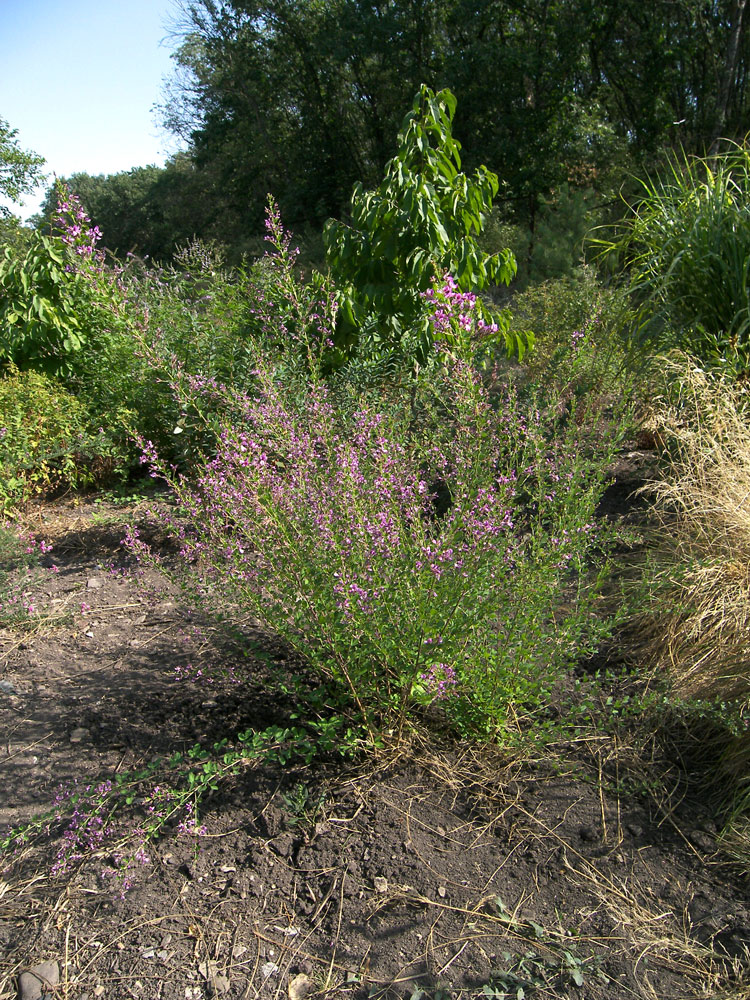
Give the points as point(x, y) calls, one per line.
point(695, 627)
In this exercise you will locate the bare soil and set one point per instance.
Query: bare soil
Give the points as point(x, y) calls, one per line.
point(591, 869)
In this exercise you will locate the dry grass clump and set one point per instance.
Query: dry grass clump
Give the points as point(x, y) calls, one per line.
point(695, 627)
point(700, 628)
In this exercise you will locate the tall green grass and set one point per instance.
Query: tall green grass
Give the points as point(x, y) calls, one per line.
point(685, 248)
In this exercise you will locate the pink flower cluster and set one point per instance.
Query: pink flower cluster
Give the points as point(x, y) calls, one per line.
point(76, 231)
point(454, 317)
point(440, 680)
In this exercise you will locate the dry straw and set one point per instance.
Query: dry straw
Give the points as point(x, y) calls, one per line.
point(701, 634)
point(695, 626)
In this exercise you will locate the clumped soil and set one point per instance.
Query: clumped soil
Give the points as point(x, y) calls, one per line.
point(590, 870)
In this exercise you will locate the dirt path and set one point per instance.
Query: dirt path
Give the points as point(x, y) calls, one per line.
point(590, 872)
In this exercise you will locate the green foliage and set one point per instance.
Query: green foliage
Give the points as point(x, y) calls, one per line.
point(421, 222)
point(685, 248)
point(20, 169)
point(303, 99)
point(431, 559)
point(192, 318)
point(562, 224)
point(578, 352)
point(48, 441)
point(41, 304)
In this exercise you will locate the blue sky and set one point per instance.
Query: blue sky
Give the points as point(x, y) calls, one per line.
point(79, 80)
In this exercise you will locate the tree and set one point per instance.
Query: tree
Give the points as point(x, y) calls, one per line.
point(149, 211)
point(20, 169)
point(419, 226)
point(299, 99)
point(302, 99)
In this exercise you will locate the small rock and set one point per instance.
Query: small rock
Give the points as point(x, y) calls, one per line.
point(300, 987)
point(441, 891)
point(94, 583)
point(7, 688)
point(79, 734)
point(32, 984)
point(283, 845)
point(219, 985)
point(269, 969)
point(380, 883)
point(702, 840)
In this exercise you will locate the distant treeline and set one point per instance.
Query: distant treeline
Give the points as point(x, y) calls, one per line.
point(564, 99)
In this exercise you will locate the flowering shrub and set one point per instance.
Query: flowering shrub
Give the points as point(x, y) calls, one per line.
point(75, 230)
point(439, 552)
point(55, 299)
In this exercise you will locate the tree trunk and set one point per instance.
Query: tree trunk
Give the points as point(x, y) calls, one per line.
point(730, 73)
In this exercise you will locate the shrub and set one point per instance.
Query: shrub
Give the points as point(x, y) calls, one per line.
point(56, 297)
point(420, 223)
point(577, 348)
point(197, 319)
point(48, 441)
point(438, 554)
point(39, 306)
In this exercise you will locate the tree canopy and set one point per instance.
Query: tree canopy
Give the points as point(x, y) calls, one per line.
point(304, 99)
point(20, 169)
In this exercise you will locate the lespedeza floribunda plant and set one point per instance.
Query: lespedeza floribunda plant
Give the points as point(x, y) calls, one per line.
point(436, 553)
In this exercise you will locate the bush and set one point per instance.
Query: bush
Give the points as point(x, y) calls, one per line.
point(48, 442)
point(435, 555)
point(577, 348)
point(422, 222)
point(198, 320)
